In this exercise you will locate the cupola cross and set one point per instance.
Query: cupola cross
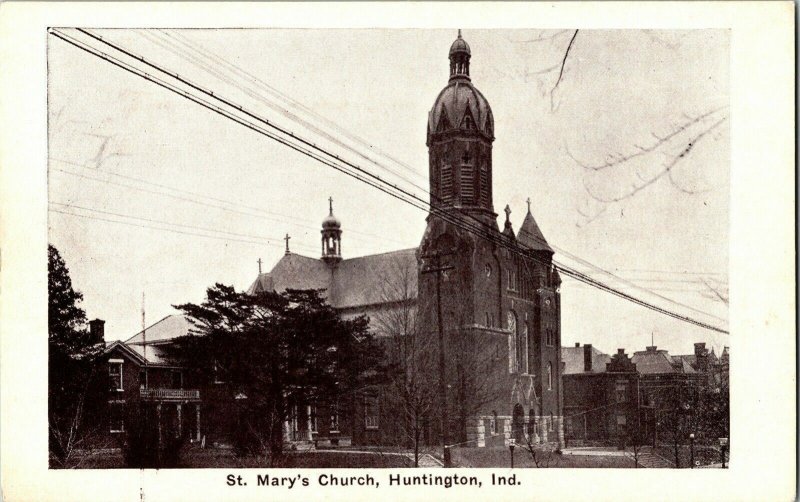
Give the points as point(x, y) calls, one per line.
point(330, 204)
point(259, 266)
point(287, 243)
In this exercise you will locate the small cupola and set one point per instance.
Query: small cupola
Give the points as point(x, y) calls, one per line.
point(459, 58)
point(331, 237)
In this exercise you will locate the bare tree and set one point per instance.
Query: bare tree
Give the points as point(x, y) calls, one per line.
point(411, 395)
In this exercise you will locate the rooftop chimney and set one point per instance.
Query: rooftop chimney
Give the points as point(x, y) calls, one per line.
point(587, 357)
point(577, 344)
point(97, 330)
point(651, 348)
point(700, 349)
point(621, 352)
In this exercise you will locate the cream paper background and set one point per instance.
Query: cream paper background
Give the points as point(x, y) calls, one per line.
point(762, 308)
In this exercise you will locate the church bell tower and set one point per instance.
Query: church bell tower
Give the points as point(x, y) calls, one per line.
point(459, 139)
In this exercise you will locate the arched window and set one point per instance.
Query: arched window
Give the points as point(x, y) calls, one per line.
point(549, 376)
point(512, 342)
point(522, 347)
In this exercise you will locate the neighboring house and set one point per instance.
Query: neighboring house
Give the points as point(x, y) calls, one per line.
point(142, 382)
point(600, 395)
point(607, 399)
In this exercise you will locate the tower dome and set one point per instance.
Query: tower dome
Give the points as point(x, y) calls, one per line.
point(460, 106)
point(331, 222)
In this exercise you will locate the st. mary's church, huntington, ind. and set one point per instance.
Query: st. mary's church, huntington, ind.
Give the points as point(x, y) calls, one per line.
point(484, 300)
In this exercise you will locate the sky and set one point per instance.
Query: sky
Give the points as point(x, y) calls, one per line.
point(125, 150)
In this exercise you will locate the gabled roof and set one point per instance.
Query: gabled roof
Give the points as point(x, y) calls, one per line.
point(167, 328)
point(531, 236)
point(294, 271)
point(653, 361)
point(374, 279)
point(366, 280)
point(573, 360)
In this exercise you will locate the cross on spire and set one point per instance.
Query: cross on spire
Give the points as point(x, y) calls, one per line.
point(259, 266)
point(528, 200)
point(330, 204)
point(287, 243)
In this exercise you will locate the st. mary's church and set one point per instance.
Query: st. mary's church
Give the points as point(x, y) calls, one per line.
point(495, 291)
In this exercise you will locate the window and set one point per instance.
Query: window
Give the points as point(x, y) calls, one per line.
point(484, 186)
point(334, 417)
point(312, 410)
point(493, 422)
point(116, 417)
point(143, 378)
point(549, 376)
point(447, 184)
point(622, 391)
point(176, 379)
point(522, 347)
point(115, 374)
point(217, 371)
point(550, 336)
point(512, 342)
point(371, 412)
point(467, 185)
point(511, 279)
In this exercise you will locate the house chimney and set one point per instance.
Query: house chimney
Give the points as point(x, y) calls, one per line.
point(577, 344)
point(97, 330)
point(700, 349)
point(587, 357)
point(621, 352)
point(651, 348)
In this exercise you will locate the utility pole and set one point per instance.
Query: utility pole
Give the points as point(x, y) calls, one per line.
point(438, 268)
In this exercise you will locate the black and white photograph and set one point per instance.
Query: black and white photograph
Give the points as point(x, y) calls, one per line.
point(318, 248)
point(274, 253)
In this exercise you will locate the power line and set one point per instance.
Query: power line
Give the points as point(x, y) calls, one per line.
point(269, 240)
point(175, 49)
point(270, 214)
point(290, 101)
point(370, 179)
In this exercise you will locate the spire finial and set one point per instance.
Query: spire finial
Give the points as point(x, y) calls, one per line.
point(528, 200)
point(259, 266)
point(459, 33)
point(508, 213)
point(287, 243)
point(330, 204)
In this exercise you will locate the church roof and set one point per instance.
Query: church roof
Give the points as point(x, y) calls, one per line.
point(531, 236)
point(361, 281)
point(294, 271)
point(373, 279)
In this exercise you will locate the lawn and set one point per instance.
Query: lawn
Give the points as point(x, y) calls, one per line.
point(501, 457)
point(196, 458)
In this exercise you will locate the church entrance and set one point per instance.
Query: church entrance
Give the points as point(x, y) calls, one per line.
point(518, 424)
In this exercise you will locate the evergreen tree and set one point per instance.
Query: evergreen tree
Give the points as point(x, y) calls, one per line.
point(75, 391)
point(275, 351)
